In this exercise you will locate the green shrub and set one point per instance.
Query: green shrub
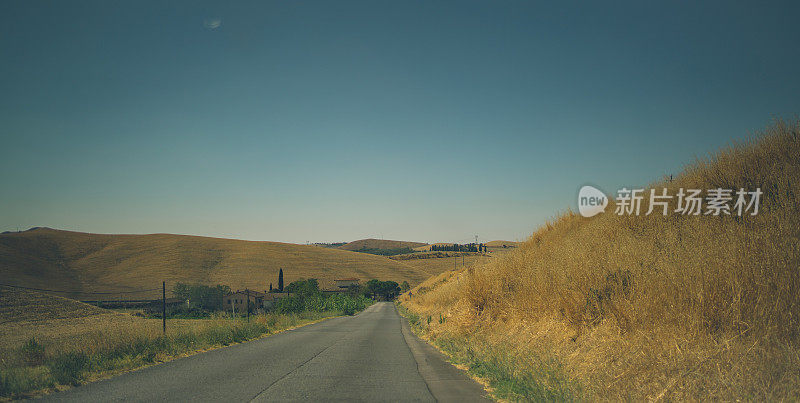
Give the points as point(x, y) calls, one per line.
point(344, 303)
point(68, 368)
point(16, 381)
point(32, 352)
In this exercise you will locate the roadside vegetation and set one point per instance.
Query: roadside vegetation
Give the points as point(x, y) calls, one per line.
point(37, 366)
point(106, 342)
point(641, 307)
point(307, 297)
point(512, 376)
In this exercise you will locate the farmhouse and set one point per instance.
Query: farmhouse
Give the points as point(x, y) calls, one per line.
point(343, 283)
point(238, 300)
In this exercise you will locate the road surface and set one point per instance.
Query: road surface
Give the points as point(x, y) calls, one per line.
point(368, 357)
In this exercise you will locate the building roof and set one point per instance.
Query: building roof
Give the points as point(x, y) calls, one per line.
point(252, 293)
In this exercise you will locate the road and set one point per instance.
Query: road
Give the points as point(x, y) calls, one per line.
point(372, 356)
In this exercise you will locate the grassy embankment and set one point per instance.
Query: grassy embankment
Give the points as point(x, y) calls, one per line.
point(641, 307)
point(56, 342)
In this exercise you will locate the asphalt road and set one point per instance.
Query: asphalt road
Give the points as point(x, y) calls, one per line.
point(368, 357)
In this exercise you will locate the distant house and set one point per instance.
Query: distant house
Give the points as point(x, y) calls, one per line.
point(344, 283)
point(171, 305)
point(238, 300)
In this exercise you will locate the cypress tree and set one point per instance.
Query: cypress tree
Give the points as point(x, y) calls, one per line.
point(280, 281)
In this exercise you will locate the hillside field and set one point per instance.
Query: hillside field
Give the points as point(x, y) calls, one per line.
point(372, 244)
point(84, 263)
point(647, 307)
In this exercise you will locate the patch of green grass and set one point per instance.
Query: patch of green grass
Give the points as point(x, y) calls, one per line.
point(69, 368)
point(535, 379)
point(544, 380)
point(15, 382)
point(32, 352)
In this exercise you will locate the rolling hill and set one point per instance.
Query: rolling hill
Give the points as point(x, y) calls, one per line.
point(372, 244)
point(83, 263)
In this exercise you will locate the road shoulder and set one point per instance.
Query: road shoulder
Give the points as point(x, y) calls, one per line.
point(445, 382)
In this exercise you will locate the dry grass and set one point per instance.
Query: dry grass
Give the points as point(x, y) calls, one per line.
point(435, 266)
point(80, 262)
point(712, 309)
point(83, 343)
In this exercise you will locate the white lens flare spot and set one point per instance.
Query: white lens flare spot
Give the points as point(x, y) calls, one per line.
point(212, 23)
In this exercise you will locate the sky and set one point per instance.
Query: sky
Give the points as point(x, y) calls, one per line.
point(328, 121)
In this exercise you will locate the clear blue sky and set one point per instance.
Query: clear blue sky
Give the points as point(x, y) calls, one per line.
point(337, 120)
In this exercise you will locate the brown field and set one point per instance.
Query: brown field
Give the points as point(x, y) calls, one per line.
point(52, 319)
point(436, 266)
point(502, 244)
point(431, 255)
point(84, 263)
point(379, 244)
point(709, 308)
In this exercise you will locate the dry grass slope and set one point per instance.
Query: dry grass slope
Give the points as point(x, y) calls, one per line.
point(25, 314)
point(501, 244)
point(19, 305)
point(81, 262)
point(651, 307)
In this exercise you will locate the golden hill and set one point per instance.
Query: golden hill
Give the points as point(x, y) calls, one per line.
point(25, 314)
point(379, 244)
point(83, 263)
point(644, 307)
point(18, 305)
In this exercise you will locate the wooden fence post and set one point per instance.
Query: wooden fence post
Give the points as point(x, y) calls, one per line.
point(164, 307)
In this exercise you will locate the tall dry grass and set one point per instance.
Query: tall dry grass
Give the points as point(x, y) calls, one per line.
point(675, 307)
point(45, 362)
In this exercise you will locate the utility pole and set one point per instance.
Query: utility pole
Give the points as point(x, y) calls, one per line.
point(164, 307)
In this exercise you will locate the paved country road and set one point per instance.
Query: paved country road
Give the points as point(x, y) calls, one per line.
point(368, 357)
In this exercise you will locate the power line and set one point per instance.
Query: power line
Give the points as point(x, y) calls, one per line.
point(79, 292)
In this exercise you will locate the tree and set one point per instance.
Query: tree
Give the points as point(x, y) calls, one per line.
point(201, 296)
point(280, 281)
point(354, 290)
point(304, 287)
point(388, 290)
point(405, 286)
